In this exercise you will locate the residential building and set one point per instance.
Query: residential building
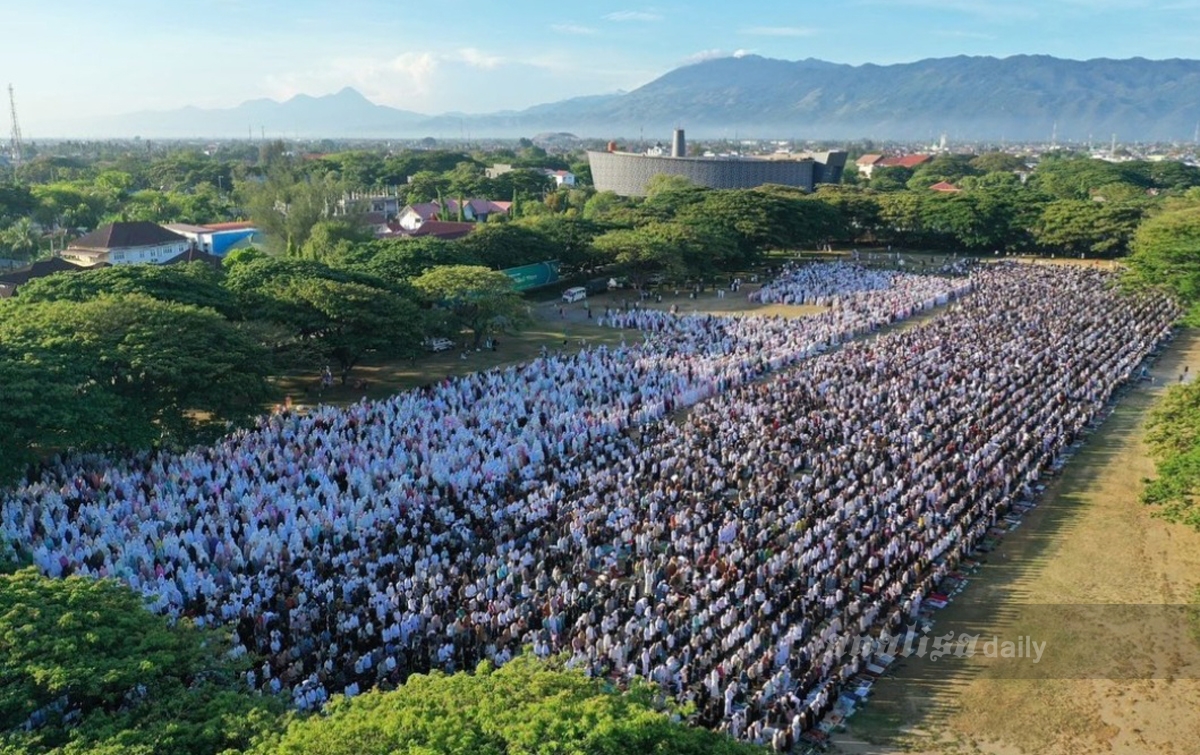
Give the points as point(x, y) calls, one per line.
point(867, 164)
point(473, 211)
point(126, 243)
point(12, 280)
point(218, 238)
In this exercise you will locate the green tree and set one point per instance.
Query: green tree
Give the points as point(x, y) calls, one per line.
point(102, 674)
point(506, 245)
point(1086, 227)
point(526, 706)
point(1173, 434)
point(21, 240)
point(480, 300)
point(998, 162)
point(1166, 254)
point(193, 283)
point(332, 240)
point(130, 370)
point(398, 261)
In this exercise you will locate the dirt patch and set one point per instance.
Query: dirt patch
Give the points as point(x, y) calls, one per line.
point(1077, 575)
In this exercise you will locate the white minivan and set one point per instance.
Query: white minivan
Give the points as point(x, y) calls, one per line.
point(571, 295)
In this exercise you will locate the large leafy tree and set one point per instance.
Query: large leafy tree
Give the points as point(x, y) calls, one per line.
point(130, 370)
point(327, 313)
point(526, 706)
point(86, 668)
point(1166, 253)
point(1077, 227)
point(481, 300)
point(400, 260)
point(505, 245)
point(571, 238)
point(194, 283)
point(350, 320)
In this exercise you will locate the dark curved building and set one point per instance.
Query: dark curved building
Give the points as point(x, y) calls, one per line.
point(628, 173)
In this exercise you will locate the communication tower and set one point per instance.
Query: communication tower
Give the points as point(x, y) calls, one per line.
point(18, 149)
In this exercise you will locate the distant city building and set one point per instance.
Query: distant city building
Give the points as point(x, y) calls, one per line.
point(628, 174)
point(561, 178)
point(126, 243)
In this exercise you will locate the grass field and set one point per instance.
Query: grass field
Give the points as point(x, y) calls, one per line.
point(1090, 542)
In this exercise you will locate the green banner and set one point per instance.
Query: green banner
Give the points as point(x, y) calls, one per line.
point(533, 276)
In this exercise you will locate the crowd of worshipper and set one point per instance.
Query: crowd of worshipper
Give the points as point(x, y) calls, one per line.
point(731, 557)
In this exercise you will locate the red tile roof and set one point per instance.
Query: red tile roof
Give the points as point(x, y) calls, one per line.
point(945, 186)
point(906, 161)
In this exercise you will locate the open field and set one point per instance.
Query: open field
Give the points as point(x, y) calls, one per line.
point(1089, 542)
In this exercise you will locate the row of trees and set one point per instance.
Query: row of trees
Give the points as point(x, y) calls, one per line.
point(132, 357)
point(1167, 256)
point(87, 669)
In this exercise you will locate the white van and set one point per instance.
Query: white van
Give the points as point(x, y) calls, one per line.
point(572, 295)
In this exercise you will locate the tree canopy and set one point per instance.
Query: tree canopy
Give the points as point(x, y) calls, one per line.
point(86, 668)
point(478, 299)
point(526, 706)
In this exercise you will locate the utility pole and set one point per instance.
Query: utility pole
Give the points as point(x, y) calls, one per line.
point(18, 149)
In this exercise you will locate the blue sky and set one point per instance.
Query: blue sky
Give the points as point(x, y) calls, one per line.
point(73, 59)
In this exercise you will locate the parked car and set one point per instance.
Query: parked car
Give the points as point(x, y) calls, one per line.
point(439, 344)
point(574, 294)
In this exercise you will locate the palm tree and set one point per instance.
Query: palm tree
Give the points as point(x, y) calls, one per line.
point(21, 239)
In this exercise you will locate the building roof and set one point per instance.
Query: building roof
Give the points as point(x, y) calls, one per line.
point(429, 210)
point(185, 228)
point(41, 269)
point(194, 255)
point(374, 218)
point(443, 229)
point(905, 161)
point(945, 186)
point(237, 225)
point(126, 234)
point(868, 160)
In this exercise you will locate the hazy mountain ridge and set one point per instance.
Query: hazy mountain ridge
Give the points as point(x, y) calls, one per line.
point(1021, 97)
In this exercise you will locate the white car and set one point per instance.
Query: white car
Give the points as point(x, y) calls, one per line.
point(439, 344)
point(572, 295)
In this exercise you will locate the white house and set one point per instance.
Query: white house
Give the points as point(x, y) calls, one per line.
point(562, 178)
point(474, 211)
point(127, 243)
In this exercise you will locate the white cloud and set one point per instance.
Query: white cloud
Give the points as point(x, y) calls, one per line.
point(779, 31)
point(703, 55)
point(573, 29)
point(633, 15)
point(466, 79)
point(742, 53)
point(473, 57)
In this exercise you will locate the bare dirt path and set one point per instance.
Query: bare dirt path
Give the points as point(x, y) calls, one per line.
point(1082, 573)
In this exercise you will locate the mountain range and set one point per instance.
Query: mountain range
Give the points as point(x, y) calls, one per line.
point(1024, 97)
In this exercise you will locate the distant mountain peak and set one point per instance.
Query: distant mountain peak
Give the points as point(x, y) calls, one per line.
point(1022, 97)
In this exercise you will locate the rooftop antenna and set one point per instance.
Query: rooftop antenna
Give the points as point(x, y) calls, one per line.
point(18, 149)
